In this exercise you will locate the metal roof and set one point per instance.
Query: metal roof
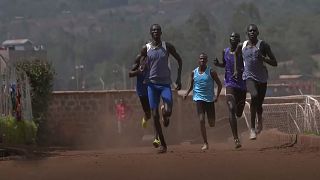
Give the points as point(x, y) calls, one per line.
point(13, 42)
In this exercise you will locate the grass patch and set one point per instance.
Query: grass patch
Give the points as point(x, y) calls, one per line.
point(311, 133)
point(17, 132)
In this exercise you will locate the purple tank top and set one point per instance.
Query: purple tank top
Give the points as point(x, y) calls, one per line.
point(229, 80)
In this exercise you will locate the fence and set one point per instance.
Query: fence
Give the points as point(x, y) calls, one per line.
point(299, 117)
point(14, 91)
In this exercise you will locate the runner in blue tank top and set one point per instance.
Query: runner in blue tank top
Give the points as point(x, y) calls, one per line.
point(235, 87)
point(255, 54)
point(158, 78)
point(142, 92)
point(202, 82)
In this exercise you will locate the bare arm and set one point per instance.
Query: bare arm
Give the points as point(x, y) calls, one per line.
point(237, 54)
point(135, 67)
point(174, 53)
point(268, 56)
point(218, 64)
point(190, 87)
point(215, 77)
point(138, 62)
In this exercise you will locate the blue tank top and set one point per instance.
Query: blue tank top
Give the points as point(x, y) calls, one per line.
point(203, 86)
point(229, 80)
point(254, 67)
point(157, 62)
point(141, 87)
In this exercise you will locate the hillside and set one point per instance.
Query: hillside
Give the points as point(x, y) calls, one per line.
point(106, 35)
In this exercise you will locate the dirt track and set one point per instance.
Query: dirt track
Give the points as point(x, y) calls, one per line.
point(256, 160)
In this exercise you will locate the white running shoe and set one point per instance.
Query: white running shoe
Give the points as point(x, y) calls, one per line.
point(205, 147)
point(253, 134)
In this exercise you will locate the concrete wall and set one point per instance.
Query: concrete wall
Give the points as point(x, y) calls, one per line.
point(88, 118)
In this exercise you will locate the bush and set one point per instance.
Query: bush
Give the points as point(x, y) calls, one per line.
point(17, 132)
point(41, 74)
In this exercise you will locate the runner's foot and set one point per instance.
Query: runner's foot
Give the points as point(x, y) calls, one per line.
point(162, 149)
point(156, 143)
point(253, 134)
point(237, 143)
point(205, 146)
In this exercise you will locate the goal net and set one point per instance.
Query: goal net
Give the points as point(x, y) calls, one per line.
point(297, 117)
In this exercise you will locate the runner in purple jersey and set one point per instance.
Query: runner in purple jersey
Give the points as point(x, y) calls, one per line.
point(255, 54)
point(235, 87)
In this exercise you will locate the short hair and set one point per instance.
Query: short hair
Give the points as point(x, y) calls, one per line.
point(252, 25)
point(154, 25)
point(236, 34)
point(204, 54)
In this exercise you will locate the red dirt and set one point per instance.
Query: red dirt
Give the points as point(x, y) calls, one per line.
point(256, 160)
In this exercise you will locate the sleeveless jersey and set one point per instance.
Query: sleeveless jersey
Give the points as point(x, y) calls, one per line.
point(203, 87)
point(254, 68)
point(157, 63)
point(229, 80)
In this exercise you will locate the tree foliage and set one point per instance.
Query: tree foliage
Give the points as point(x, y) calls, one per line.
point(41, 74)
point(107, 34)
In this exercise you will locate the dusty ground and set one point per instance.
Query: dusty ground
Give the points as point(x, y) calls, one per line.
point(256, 160)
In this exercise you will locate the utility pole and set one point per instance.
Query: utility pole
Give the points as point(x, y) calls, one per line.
point(124, 73)
point(79, 75)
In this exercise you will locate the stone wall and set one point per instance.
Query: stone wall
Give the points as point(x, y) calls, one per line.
point(88, 118)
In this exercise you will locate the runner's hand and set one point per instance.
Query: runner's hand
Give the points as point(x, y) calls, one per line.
point(235, 75)
point(184, 96)
point(178, 84)
point(216, 62)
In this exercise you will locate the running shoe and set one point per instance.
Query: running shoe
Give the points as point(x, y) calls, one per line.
point(144, 123)
point(212, 123)
point(205, 147)
point(162, 149)
point(237, 143)
point(253, 134)
point(164, 119)
point(156, 143)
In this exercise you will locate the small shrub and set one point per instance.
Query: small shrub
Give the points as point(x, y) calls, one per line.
point(17, 132)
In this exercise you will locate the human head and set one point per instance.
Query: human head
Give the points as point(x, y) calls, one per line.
point(234, 39)
point(155, 32)
point(203, 59)
point(252, 31)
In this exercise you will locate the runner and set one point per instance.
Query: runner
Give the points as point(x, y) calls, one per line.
point(255, 54)
point(202, 83)
point(142, 92)
point(235, 88)
point(158, 78)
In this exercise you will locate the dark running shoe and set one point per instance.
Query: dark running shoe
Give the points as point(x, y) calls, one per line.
point(212, 123)
point(237, 143)
point(162, 149)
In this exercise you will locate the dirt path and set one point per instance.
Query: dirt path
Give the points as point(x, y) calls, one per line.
point(256, 160)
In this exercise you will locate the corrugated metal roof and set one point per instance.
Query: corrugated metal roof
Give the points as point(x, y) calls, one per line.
point(13, 42)
point(295, 76)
